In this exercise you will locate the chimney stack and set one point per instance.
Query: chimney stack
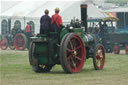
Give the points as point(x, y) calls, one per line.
point(84, 15)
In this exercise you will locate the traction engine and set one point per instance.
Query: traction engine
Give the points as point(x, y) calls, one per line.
point(71, 50)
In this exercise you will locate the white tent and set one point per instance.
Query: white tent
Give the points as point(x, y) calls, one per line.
point(69, 9)
point(22, 8)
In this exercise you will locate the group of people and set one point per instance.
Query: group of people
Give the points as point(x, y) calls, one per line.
point(52, 24)
point(48, 24)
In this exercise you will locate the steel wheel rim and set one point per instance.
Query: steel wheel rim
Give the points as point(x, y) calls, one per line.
point(4, 44)
point(75, 53)
point(100, 57)
point(116, 49)
point(19, 42)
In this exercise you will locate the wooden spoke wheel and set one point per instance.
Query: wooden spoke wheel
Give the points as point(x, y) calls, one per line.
point(116, 49)
point(36, 67)
point(72, 53)
point(126, 49)
point(4, 43)
point(20, 41)
point(99, 57)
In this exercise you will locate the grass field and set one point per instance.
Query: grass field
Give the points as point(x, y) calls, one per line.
point(15, 70)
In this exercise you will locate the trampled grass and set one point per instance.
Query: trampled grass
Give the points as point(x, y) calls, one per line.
point(15, 70)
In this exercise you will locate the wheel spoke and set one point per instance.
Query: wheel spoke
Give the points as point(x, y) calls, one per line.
point(69, 50)
point(97, 62)
point(73, 63)
point(100, 53)
point(71, 44)
point(74, 43)
point(76, 57)
point(79, 47)
point(68, 57)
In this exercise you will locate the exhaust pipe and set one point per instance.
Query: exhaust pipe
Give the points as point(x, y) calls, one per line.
point(84, 15)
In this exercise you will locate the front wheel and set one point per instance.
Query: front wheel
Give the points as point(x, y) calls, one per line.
point(36, 67)
point(99, 57)
point(72, 53)
point(4, 43)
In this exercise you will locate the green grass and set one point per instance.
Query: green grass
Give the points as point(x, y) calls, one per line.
point(15, 70)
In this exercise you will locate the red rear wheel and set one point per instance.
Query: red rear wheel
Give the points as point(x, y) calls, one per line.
point(99, 58)
point(126, 49)
point(116, 49)
point(4, 43)
point(20, 41)
point(72, 53)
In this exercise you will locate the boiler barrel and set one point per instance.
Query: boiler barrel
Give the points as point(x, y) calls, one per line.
point(88, 39)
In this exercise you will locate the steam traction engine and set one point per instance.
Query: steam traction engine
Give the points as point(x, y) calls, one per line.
point(110, 36)
point(6, 40)
point(74, 46)
point(8, 34)
point(21, 39)
point(15, 37)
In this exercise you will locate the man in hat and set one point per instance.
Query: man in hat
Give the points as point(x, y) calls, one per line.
point(56, 22)
point(45, 23)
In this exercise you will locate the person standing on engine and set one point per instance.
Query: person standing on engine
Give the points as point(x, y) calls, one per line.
point(56, 22)
point(28, 31)
point(45, 23)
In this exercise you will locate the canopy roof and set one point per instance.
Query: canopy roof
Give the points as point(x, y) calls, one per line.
point(68, 9)
point(122, 9)
point(102, 19)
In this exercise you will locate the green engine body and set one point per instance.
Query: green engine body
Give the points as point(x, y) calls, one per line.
point(47, 48)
